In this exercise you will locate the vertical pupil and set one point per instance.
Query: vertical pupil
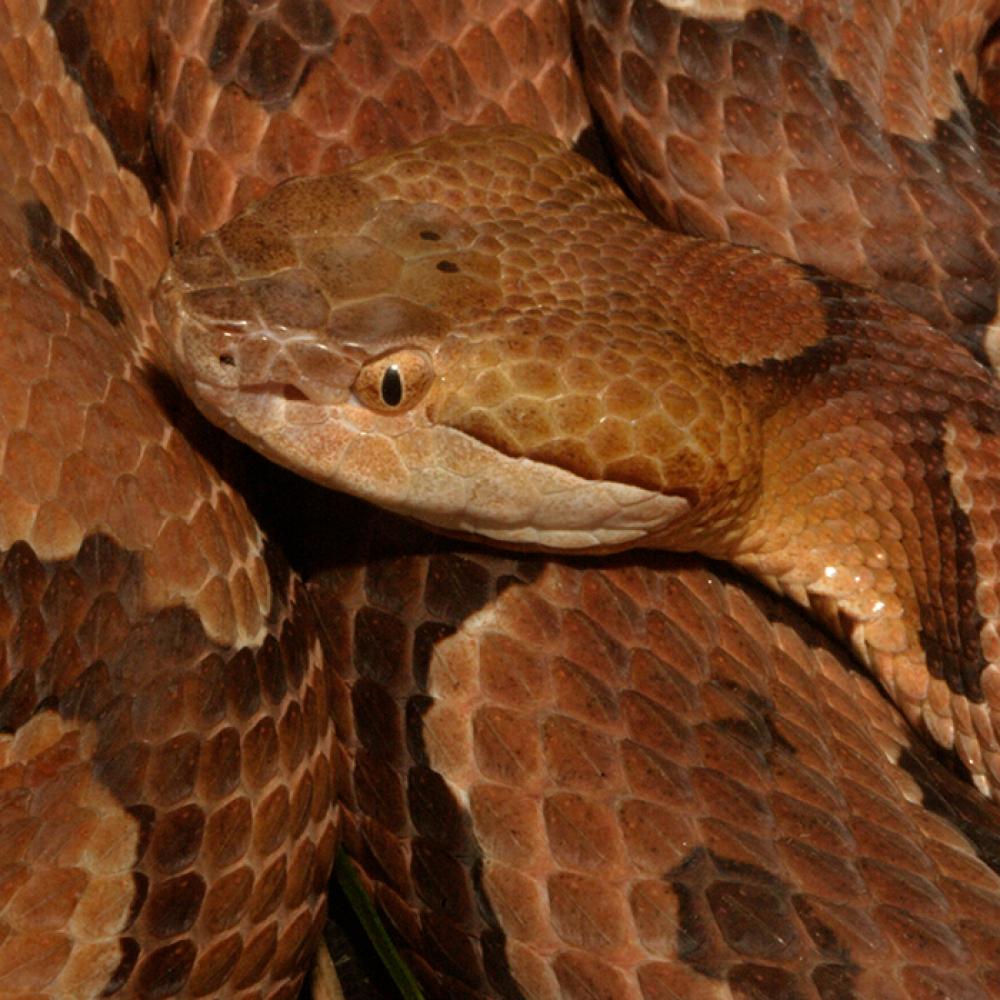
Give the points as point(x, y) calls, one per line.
point(392, 386)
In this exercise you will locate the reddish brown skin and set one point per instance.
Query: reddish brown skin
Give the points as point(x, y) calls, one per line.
point(785, 132)
point(168, 811)
point(253, 95)
point(165, 683)
point(759, 778)
point(815, 432)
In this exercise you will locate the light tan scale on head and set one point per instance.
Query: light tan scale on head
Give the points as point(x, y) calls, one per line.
point(479, 332)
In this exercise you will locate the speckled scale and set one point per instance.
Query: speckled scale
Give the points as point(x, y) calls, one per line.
point(772, 399)
point(769, 700)
point(106, 48)
point(258, 94)
point(182, 868)
point(849, 392)
point(791, 134)
point(135, 591)
point(583, 841)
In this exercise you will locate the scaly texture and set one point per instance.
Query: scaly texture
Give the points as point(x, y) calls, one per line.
point(643, 781)
point(252, 94)
point(833, 133)
point(167, 790)
point(543, 393)
point(168, 777)
point(488, 708)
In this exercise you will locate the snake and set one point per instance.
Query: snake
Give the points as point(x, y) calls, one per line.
point(570, 767)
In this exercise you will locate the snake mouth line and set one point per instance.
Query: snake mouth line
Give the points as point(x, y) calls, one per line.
point(287, 390)
point(291, 392)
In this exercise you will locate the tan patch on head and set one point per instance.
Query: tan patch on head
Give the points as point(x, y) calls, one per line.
point(251, 247)
point(335, 203)
point(575, 414)
point(384, 323)
point(374, 463)
point(289, 299)
point(627, 397)
point(544, 305)
point(410, 230)
point(352, 267)
point(572, 453)
point(460, 284)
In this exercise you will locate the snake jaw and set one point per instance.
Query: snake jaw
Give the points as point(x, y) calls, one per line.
point(406, 462)
point(468, 487)
point(440, 476)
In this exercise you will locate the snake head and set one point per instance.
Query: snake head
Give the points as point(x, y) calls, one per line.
point(456, 332)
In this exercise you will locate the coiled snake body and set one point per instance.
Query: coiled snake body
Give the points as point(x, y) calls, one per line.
point(622, 777)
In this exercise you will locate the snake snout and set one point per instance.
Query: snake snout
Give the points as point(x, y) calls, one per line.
point(219, 338)
point(260, 362)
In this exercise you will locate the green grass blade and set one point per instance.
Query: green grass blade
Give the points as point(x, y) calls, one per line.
point(364, 910)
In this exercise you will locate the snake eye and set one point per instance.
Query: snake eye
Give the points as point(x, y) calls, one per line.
point(394, 382)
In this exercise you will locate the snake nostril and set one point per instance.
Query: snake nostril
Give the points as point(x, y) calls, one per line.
point(294, 393)
point(228, 360)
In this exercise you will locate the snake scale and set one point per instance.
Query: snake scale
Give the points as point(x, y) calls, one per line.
point(631, 775)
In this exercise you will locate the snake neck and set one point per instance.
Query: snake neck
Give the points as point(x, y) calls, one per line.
point(879, 463)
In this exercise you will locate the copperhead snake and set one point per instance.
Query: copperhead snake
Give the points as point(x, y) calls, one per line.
point(629, 776)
